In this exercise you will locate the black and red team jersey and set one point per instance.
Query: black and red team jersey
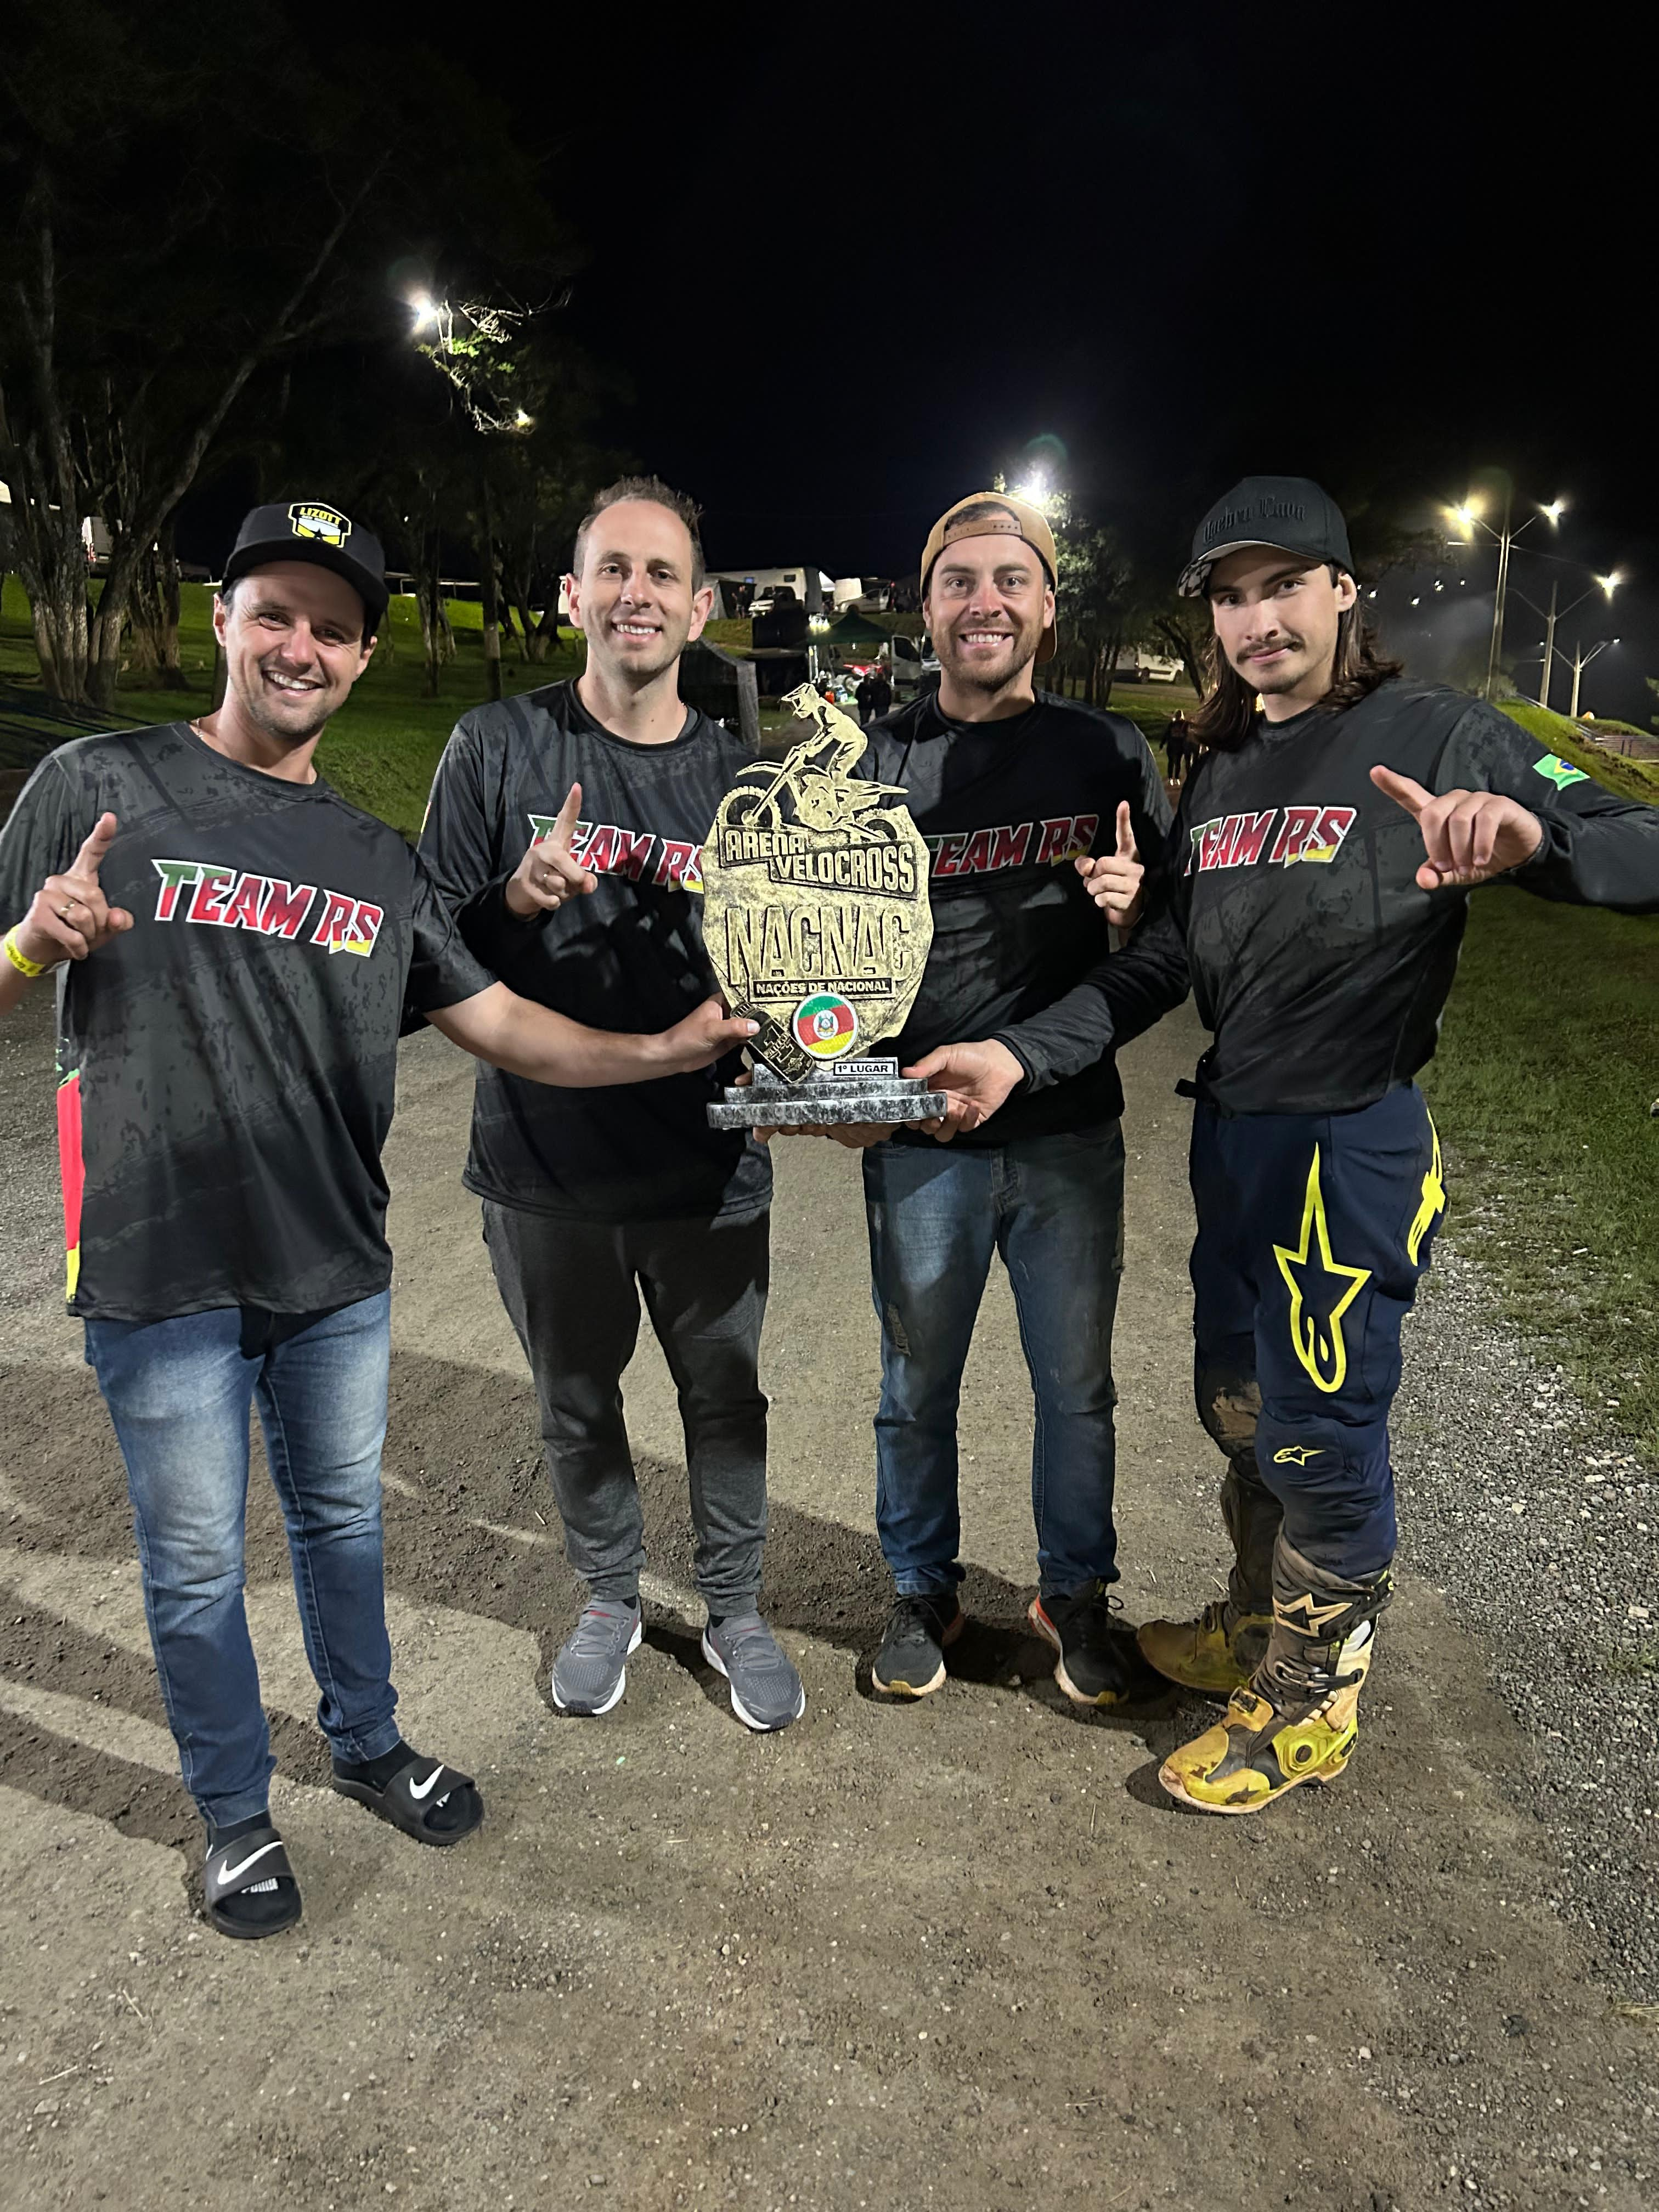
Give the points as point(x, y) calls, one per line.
point(1019, 948)
point(628, 955)
point(1289, 903)
point(227, 1067)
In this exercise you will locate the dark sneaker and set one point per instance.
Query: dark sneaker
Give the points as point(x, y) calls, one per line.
point(590, 1672)
point(1099, 1663)
point(911, 1661)
point(766, 1690)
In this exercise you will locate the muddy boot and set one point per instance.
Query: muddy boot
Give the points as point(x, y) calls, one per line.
point(1297, 1718)
point(1222, 1649)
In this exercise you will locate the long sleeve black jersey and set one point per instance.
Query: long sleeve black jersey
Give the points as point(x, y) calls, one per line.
point(1019, 949)
point(628, 956)
point(1290, 904)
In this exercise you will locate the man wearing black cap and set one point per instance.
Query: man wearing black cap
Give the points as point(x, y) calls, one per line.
point(243, 947)
point(1011, 789)
point(1314, 898)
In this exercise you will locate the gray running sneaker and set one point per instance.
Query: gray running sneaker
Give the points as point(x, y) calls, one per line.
point(766, 1690)
point(590, 1672)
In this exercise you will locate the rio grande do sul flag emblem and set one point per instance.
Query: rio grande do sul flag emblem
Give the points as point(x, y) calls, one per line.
point(826, 1025)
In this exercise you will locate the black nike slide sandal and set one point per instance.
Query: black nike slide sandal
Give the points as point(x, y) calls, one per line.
point(414, 1794)
point(254, 1868)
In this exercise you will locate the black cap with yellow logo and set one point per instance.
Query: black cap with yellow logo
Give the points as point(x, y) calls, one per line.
point(310, 529)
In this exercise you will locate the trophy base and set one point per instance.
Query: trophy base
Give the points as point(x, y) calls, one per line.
point(847, 1091)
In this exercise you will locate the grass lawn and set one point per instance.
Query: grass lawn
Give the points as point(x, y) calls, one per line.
point(1547, 1066)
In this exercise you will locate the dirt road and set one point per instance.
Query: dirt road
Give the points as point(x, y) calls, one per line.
point(965, 1954)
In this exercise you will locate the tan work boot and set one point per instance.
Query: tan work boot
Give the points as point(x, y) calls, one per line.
point(1223, 1648)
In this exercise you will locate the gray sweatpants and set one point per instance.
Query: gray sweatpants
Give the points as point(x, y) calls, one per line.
point(573, 1291)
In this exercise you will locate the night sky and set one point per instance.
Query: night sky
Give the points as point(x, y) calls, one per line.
point(849, 270)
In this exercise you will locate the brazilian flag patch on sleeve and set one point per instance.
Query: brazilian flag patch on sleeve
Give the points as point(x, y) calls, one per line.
point(1559, 772)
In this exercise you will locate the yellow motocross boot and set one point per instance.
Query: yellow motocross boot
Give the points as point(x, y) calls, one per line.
point(1297, 1717)
point(1220, 1650)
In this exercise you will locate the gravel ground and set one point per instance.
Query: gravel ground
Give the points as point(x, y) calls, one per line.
point(1539, 1523)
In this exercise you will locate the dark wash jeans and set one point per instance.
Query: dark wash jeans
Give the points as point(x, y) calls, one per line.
point(573, 1291)
point(179, 1394)
point(1053, 1208)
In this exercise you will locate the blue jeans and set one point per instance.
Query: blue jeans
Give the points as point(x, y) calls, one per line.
point(179, 1392)
point(1053, 1207)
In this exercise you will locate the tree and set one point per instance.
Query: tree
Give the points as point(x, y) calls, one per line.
point(191, 201)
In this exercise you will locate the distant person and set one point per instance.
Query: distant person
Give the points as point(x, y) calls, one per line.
point(874, 697)
point(236, 948)
point(1177, 745)
point(595, 1204)
point(1318, 888)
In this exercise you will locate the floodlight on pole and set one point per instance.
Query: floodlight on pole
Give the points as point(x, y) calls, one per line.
point(1468, 513)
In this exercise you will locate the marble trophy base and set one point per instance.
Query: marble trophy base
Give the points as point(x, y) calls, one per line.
point(844, 1091)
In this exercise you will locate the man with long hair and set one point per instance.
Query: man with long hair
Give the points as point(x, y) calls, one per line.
point(1314, 898)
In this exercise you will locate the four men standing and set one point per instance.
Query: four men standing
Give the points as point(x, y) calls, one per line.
point(226, 1085)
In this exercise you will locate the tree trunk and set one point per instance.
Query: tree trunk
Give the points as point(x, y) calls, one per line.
point(1110, 652)
point(155, 615)
point(546, 634)
point(487, 592)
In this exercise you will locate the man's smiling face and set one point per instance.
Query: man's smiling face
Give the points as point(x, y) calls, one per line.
point(988, 604)
point(1275, 619)
point(634, 598)
point(294, 645)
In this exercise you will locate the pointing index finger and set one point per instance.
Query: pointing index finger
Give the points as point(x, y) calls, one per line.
point(1125, 834)
point(566, 817)
point(99, 839)
point(1403, 792)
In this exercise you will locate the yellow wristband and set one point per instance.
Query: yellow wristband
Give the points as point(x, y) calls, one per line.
point(20, 961)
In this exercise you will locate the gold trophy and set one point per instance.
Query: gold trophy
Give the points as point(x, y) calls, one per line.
point(817, 926)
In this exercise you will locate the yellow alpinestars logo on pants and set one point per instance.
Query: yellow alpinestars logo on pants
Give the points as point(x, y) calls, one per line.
point(1433, 1203)
point(1322, 1290)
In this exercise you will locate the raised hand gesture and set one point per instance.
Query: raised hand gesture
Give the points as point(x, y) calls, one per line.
point(1114, 879)
point(69, 917)
point(548, 875)
point(1469, 836)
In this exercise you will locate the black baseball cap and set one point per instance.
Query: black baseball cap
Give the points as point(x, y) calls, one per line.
point(1289, 514)
point(311, 530)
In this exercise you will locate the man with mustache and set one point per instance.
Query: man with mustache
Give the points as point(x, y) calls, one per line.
point(241, 948)
point(1012, 790)
point(1314, 898)
point(592, 1204)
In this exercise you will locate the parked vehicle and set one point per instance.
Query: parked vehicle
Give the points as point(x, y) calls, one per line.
point(916, 665)
point(1142, 663)
point(772, 596)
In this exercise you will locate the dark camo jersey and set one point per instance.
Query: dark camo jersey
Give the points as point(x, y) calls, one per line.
point(1019, 948)
point(1290, 904)
point(227, 1067)
point(628, 955)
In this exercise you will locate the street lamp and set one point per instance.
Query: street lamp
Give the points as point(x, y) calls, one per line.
point(1580, 662)
point(1609, 584)
point(1468, 515)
